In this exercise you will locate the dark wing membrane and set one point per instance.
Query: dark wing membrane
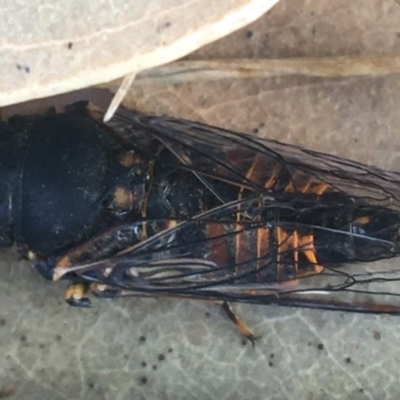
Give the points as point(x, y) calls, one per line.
point(260, 164)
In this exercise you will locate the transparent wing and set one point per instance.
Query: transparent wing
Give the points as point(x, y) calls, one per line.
point(213, 257)
point(259, 164)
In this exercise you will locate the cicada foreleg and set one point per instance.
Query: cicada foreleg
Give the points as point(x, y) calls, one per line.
point(76, 295)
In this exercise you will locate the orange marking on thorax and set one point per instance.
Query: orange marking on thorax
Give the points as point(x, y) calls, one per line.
point(123, 198)
point(362, 220)
point(130, 158)
point(171, 224)
point(64, 262)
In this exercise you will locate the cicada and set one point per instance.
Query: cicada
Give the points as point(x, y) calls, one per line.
point(163, 207)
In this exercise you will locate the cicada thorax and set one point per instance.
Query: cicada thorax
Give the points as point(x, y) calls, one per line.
point(69, 177)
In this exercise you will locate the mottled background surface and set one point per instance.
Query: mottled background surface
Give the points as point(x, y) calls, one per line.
point(148, 349)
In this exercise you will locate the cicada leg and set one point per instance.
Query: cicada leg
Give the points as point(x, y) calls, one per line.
point(75, 295)
point(107, 291)
point(240, 325)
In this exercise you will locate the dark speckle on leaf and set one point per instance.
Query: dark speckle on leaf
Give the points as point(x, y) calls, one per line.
point(142, 339)
point(2, 322)
point(69, 45)
point(320, 346)
point(143, 364)
point(249, 34)
point(377, 335)
point(162, 28)
point(161, 357)
point(24, 68)
point(23, 338)
point(143, 380)
point(347, 360)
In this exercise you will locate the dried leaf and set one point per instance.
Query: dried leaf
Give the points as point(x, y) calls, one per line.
point(50, 47)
